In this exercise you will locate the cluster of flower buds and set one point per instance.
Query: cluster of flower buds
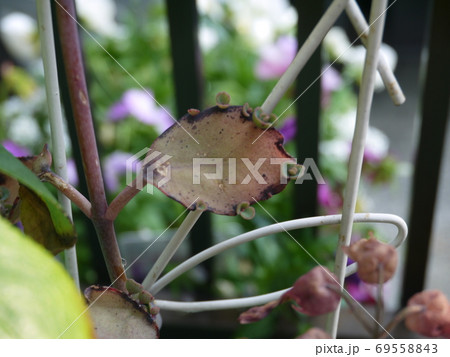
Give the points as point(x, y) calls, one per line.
point(313, 293)
point(377, 261)
point(433, 319)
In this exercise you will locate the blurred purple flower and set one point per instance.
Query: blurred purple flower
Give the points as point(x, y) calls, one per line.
point(276, 58)
point(358, 289)
point(72, 173)
point(329, 199)
point(15, 149)
point(114, 166)
point(140, 104)
point(289, 129)
point(330, 81)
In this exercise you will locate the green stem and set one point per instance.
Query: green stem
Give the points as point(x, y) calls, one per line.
point(73, 65)
point(69, 191)
point(171, 248)
point(55, 117)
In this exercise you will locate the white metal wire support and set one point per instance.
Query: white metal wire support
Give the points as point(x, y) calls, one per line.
point(377, 18)
point(256, 234)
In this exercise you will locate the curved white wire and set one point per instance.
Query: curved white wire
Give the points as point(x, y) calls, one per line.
point(259, 233)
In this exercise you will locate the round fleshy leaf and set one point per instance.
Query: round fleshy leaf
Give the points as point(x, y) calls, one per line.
point(116, 315)
point(224, 168)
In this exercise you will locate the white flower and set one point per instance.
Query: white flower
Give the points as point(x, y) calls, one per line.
point(338, 46)
point(212, 8)
point(24, 131)
point(18, 32)
point(377, 143)
point(261, 21)
point(355, 58)
point(336, 42)
point(99, 16)
point(208, 38)
point(337, 149)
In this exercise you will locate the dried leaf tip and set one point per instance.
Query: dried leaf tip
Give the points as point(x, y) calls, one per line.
point(43, 161)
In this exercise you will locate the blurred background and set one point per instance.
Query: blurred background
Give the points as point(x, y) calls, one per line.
point(184, 53)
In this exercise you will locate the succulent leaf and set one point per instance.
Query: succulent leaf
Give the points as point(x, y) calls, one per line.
point(226, 167)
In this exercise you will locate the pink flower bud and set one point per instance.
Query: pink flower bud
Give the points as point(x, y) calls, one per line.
point(312, 294)
point(315, 333)
point(434, 320)
point(370, 254)
point(257, 313)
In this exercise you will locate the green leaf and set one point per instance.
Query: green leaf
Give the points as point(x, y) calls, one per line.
point(37, 297)
point(13, 167)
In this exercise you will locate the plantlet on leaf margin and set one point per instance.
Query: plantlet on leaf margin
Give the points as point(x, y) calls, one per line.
point(223, 100)
point(246, 110)
point(245, 210)
point(193, 111)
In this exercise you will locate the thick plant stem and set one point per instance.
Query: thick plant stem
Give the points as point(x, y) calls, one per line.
point(171, 248)
point(55, 117)
point(73, 64)
point(303, 55)
point(358, 144)
point(362, 29)
point(69, 191)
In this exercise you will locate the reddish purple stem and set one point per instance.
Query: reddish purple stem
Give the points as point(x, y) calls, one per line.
point(74, 69)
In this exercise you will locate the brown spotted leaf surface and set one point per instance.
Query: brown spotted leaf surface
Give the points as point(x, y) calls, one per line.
point(116, 315)
point(227, 136)
point(37, 223)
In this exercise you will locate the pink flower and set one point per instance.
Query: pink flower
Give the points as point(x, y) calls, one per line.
point(329, 82)
point(141, 105)
point(276, 58)
point(72, 173)
point(329, 199)
point(289, 129)
point(115, 166)
point(15, 149)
